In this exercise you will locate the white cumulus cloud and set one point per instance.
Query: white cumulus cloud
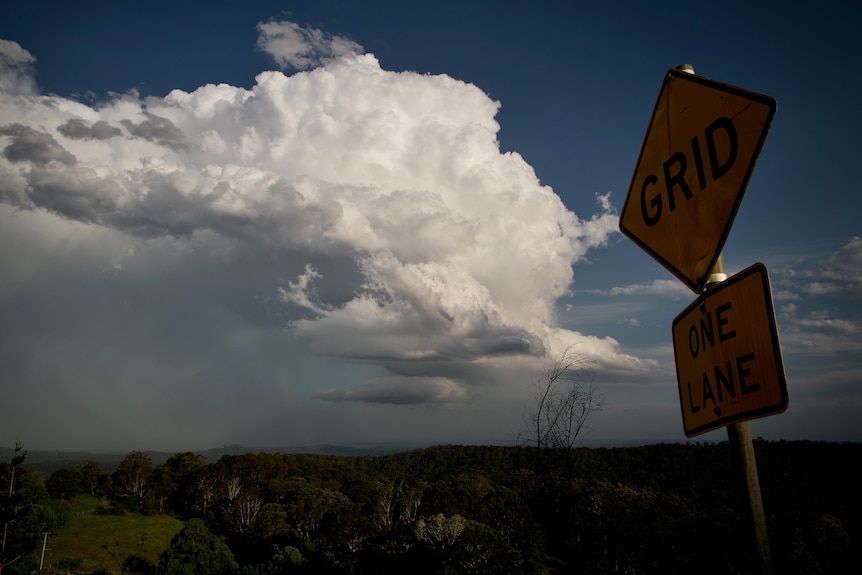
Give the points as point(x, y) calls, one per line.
point(302, 47)
point(15, 72)
point(417, 242)
point(671, 288)
point(399, 390)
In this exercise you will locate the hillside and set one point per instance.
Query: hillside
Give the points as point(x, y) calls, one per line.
point(662, 508)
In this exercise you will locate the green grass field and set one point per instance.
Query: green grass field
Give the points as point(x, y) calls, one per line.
point(103, 542)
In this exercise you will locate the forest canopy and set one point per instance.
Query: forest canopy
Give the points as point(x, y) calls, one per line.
point(666, 508)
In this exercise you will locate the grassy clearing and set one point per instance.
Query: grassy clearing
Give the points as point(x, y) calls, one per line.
point(102, 542)
point(85, 503)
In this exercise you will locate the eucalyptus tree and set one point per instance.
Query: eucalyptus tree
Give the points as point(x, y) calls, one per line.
point(26, 514)
point(132, 476)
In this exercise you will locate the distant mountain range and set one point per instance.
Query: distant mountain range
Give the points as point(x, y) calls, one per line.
point(48, 461)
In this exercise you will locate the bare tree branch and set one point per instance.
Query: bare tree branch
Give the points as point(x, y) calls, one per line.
point(565, 398)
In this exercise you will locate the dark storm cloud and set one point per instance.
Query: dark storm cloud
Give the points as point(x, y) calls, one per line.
point(29, 145)
point(76, 192)
point(79, 130)
point(158, 130)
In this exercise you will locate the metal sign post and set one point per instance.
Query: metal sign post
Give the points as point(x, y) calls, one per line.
point(745, 463)
point(698, 154)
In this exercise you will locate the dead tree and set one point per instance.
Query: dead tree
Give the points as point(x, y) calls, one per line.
point(565, 397)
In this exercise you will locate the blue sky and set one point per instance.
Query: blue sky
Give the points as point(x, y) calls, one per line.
point(286, 223)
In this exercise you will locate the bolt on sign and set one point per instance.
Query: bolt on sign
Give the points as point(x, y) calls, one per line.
point(728, 361)
point(697, 157)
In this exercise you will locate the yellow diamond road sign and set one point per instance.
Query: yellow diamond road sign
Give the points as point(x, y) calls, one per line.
point(728, 361)
point(698, 155)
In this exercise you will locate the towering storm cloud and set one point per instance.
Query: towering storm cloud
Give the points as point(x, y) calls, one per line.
point(408, 239)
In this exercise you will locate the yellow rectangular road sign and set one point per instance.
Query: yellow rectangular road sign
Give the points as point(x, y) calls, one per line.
point(728, 361)
point(697, 157)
